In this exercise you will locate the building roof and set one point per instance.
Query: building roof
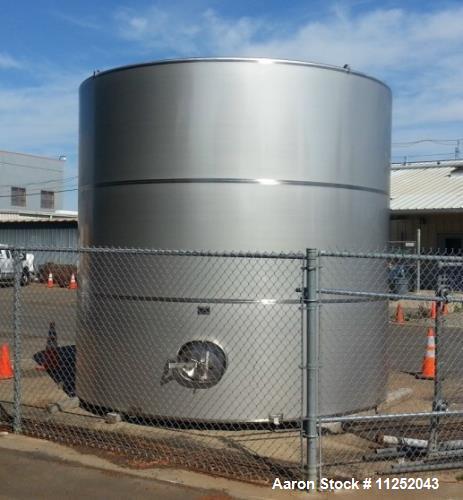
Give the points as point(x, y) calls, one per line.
point(427, 187)
point(58, 216)
point(29, 155)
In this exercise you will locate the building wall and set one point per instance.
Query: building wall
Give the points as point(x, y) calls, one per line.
point(65, 234)
point(34, 173)
point(42, 234)
point(435, 229)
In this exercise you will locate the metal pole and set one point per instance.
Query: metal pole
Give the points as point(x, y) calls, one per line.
point(437, 402)
point(418, 262)
point(311, 303)
point(17, 342)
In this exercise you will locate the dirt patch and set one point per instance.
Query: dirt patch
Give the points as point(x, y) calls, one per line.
point(178, 452)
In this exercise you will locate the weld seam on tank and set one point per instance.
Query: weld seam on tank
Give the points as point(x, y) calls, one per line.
point(211, 180)
point(199, 300)
point(205, 300)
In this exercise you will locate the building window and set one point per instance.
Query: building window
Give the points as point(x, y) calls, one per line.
point(47, 199)
point(18, 197)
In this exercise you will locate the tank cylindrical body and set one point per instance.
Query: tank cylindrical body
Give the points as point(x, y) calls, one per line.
point(226, 154)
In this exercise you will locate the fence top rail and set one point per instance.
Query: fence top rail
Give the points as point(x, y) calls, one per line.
point(240, 254)
point(393, 296)
point(389, 416)
point(393, 256)
point(166, 252)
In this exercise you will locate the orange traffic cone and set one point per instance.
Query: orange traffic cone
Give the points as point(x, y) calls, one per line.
point(445, 309)
point(399, 315)
point(50, 281)
point(428, 369)
point(73, 282)
point(433, 310)
point(6, 371)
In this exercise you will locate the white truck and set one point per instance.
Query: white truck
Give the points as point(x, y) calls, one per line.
point(7, 266)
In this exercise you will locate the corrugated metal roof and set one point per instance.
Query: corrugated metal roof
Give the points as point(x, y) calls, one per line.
point(428, 164)
point(419, 187)
point(14, 217)
point(52, 158)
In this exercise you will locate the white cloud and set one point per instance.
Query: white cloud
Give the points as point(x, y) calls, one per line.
point(376, 41)
point(181, 34)
point(138, 24)
point(356, 41)
point(41, 119)
point(81, 22)
point(8, 62)
point(418, 54)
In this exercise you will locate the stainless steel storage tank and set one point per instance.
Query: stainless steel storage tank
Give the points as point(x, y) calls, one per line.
point(225, 154)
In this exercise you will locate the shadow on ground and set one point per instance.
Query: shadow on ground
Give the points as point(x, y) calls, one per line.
point(60, 365)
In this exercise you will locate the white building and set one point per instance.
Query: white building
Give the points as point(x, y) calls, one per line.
point(30, 184)
point(31, 201)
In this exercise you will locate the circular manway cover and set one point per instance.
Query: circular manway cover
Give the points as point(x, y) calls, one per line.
point(204, 364)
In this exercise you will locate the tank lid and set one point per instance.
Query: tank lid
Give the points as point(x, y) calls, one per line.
point(259, 60)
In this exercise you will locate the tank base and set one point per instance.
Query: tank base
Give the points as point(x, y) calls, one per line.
point(201, 424)
point(186, 423)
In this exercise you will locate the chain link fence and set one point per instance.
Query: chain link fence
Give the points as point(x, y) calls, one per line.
point(249, 366)
point(182, 359)
point(406, 343)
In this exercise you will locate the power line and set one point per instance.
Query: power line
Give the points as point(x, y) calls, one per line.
point(439, 155)
point(443, 142)
point(5, 192)
point(38, 194)
point(48, 181)
point(34, 167)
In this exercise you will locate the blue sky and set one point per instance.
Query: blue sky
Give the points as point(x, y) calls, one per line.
point(47, 48)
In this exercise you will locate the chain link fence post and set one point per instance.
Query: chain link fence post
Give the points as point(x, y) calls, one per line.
point(437, 404)
point(17, 351)
point(418, 262)
point(312, 364)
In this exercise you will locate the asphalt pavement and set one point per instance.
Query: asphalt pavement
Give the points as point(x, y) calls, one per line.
point(27, 475)
point(35, 474)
